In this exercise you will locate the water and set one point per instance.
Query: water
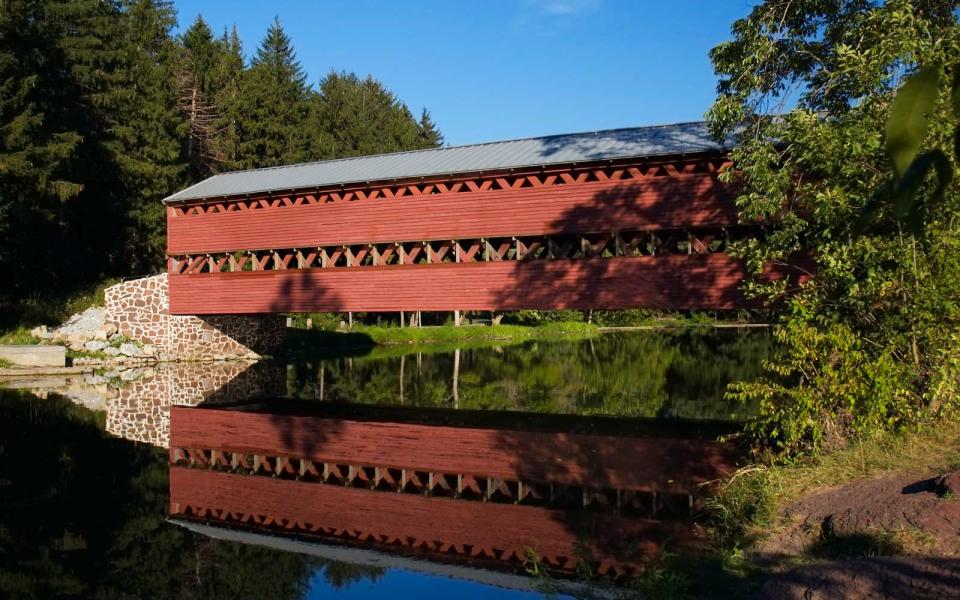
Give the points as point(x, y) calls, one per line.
point(565, 460)
point(637, 374)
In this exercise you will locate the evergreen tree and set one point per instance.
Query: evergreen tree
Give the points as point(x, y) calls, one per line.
point(428, 134)
point(103, 113)
point(34, 146)
point(148, 132)
point(228, 96)
point(273, 105)
point(354, 117)
point(198, 85)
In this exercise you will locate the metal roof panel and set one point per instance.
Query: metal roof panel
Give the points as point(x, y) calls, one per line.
point(636, 142)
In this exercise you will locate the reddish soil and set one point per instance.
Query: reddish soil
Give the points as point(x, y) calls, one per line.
point(880, 578)
point(856, 521)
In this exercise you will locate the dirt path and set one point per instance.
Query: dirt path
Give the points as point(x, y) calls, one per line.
point(894, 536)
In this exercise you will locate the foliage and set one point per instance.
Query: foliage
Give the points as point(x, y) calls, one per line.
point(86, 517)
point(51, 308)
point(355, 117)
point(750, 501)
point(103, 112)
point(680, 374)
point(870, 342)
point(450, 333)
point(536, 317)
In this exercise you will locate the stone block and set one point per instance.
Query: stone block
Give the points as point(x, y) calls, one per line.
point(35, 356)
point(139, 309)
point(94, 346)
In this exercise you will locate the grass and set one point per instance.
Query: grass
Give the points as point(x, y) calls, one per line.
point(5, 364)
point(748, 506)
point(17, 318)
point(750, 502)
point(18, 335)
point(448, 333)
point(389, 341)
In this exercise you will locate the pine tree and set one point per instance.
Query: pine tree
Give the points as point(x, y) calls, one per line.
point(35, 146)
point(428, 135)
point(228, 97)
point(273, 104)
point(147, 131)
point(198, 86)
point(354, 117)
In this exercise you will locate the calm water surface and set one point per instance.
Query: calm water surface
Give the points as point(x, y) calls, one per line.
point(457, 472)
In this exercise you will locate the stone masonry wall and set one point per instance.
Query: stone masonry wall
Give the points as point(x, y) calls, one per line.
point(139, 308)
point(141, 409)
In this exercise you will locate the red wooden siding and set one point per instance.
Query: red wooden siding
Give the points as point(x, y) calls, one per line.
point(709, 281)
point(678, 201)
point(444, 527)
point(641, 464)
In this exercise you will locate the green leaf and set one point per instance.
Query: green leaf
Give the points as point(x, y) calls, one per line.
point(907, 123)
point(907, 187)
point(955, 91)
point(906, 196)
point(955, 101)
point(870, 209)
point(944, 173)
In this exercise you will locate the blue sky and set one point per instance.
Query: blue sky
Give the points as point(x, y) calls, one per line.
point(500, 69)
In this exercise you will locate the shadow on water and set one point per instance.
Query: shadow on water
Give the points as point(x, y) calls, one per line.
point(83, 515)
point(447, 477)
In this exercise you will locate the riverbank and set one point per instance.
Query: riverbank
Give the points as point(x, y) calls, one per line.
point(365, 339)
point(877, 519)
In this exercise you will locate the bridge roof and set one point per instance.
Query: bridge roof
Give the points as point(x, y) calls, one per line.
point(634, 142)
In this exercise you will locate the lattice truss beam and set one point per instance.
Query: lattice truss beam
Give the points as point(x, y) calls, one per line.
point(650, 503)
point(449, 551)
point(543, 178)
point(520, 248)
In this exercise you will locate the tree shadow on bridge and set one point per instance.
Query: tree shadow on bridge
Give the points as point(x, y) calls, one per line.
point(645, 141)
point(593, 281)
point(299, 291)
point(664, 274)
point(599, 466)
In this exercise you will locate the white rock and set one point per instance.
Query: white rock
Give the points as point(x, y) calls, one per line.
point(77, 338)
point(94, 346)
point(148, 350)
point(131, 374)
point(111, 351)
point(129, 349)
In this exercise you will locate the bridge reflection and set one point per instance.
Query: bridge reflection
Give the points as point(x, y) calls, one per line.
point(569, 496)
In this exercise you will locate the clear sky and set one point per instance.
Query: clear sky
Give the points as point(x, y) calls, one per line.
point(501, 69)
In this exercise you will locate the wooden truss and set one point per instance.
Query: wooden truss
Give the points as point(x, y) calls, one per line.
point(549, 247)
point(650, 503)
point(541, 178)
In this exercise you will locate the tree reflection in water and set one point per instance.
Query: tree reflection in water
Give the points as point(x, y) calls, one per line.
point(83, 514)
point(641, 374)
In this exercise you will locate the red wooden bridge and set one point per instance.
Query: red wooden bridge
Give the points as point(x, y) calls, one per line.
point(611, 219)
point(487, 497)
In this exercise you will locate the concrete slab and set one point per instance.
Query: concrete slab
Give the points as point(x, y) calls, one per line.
point(34, 356)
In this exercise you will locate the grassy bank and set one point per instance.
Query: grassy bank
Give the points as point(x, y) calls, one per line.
point(448, 333)
point(18, 317)
point(365, 339)
point(748, 505)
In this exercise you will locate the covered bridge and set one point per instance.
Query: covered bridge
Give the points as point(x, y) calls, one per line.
point(609, 219)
